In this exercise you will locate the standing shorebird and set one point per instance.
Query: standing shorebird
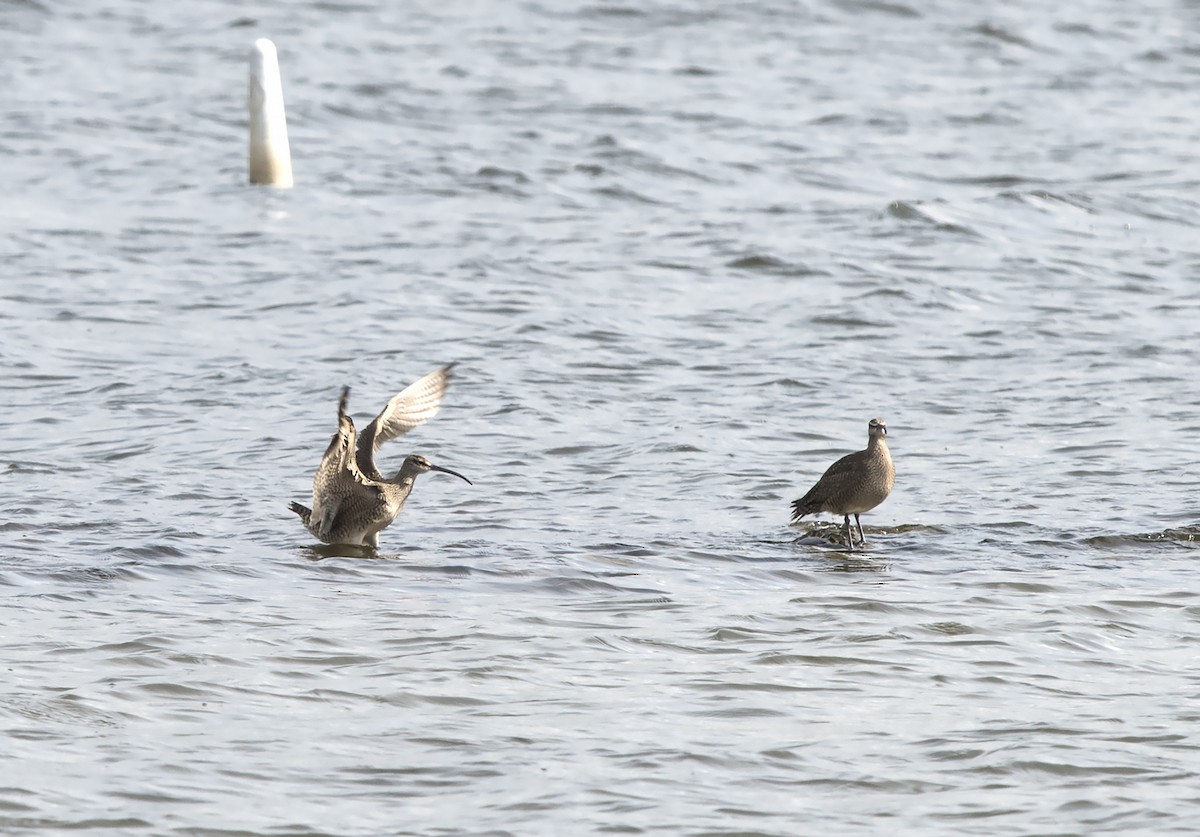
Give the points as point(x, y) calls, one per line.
point(855, 484)
point(352, 501)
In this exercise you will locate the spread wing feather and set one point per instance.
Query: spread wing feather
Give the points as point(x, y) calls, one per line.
point(415, 405)
point(337, 478)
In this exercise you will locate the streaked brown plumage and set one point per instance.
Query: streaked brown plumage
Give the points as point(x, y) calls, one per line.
point(352, 501)
point(855, 484)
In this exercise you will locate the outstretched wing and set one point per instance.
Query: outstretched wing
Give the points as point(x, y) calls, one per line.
point(417, 404)
point(337, 476)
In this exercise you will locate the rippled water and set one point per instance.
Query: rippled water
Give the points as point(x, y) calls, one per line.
point(682, 254)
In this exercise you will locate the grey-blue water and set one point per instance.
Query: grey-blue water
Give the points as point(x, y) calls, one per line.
point(682, 253)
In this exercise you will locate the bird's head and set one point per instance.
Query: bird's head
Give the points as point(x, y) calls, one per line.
point(416, 464)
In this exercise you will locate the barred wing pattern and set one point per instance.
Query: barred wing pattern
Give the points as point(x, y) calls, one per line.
point(415, 405)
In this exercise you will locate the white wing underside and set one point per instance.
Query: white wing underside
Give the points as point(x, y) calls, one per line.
point(412, 407)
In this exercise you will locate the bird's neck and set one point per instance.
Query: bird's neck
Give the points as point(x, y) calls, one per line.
point(407, 475)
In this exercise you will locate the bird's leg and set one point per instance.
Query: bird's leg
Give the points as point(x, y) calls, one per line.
point(861, 537)
point(849, 537)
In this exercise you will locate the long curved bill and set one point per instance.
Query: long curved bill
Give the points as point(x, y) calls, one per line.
point(433, 467)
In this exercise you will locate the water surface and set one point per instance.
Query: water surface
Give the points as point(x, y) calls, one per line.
point(682, 255)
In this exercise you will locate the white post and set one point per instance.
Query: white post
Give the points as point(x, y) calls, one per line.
point(270, 157)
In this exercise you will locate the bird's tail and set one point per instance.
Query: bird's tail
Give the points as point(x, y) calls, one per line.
point(799, 509)
point(304, 512)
